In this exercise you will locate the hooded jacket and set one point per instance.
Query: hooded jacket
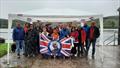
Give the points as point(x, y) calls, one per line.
point(82, 35)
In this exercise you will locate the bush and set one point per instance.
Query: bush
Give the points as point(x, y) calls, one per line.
point(2, 40)
point(3, 49)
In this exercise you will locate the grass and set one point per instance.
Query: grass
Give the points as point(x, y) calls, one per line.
point(3, 49)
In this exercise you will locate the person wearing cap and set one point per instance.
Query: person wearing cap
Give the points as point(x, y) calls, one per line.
point(94, 33)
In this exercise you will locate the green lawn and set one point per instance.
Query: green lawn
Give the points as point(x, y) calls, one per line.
point(3, 49)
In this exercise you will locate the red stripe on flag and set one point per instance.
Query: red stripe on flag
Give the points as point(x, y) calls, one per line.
point(66, 46)
point(43, 43)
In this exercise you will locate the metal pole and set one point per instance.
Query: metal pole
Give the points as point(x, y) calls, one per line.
point(114, 38)
point(9, 29)
point(101, 35)
point(119, 27)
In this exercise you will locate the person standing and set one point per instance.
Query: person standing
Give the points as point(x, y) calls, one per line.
point(32, 40)
point(86, 29)
point(36, 37)
point(44, 31)
point(55, 34)
point(94, 34)
point(18, 38)
point(64, 32)
point(74, 34)
point(26, 28)
point(82, 39)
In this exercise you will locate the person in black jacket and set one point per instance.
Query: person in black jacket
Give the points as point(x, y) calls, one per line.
point(32, 42)
point(94, 33)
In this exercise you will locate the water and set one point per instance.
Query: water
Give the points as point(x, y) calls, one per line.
point(107, 33)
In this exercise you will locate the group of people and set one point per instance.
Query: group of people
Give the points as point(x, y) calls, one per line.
point(27, 38)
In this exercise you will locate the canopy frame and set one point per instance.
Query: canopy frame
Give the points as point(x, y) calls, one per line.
point(18, 16)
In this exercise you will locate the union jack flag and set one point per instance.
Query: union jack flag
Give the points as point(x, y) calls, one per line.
point(63, 46)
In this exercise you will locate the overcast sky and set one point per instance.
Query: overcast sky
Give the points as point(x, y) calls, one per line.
point(105, 7)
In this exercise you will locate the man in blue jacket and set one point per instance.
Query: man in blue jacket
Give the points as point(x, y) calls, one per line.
point(18, 38)
point(86, 28)
point(64, 32)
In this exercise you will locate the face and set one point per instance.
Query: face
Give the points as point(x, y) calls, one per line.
point(26, 24)
point(18, 24)
point(61, 25)
point(44, 30)
point(31, 26)
point(93, 24)
point(82, 24)
point(73, 29)
point(64, 25)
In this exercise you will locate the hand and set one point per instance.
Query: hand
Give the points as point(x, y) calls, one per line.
point(14, 42)
point(67, 35)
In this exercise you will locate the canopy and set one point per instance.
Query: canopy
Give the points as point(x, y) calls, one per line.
point(61, 12)
point(54, 15)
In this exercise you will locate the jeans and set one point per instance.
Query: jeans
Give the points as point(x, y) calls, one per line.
point(20, 46)
point(93, 42)
point(87, 42)
point(82, 48)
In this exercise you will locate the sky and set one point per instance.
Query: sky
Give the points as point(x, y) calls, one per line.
point(105, 7)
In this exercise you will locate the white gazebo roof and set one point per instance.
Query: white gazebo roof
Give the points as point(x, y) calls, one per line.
point(65, 12)
point(57, 14)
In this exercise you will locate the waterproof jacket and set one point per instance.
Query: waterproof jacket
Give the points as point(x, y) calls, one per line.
point(75, 34)
point(18, 33)
point(95, 33)
point(82, 35)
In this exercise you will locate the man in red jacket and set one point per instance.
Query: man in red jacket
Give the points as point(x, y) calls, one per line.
point(94, 33)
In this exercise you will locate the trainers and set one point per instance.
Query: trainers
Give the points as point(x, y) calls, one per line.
point(33, 55)
point(18, 55)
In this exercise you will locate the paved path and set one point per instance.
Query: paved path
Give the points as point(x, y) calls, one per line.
point(111, 59)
